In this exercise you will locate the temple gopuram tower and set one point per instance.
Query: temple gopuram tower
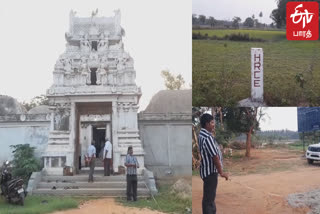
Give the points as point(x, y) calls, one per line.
point(94, 96)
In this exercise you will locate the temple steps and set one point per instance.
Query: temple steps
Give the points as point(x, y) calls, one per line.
point(78, 185)
point(129, 141)
point(85, 184)
point(84, 177)
point(105, 192)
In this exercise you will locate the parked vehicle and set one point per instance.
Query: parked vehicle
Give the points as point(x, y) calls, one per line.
point(11, 188)
point(313, 153)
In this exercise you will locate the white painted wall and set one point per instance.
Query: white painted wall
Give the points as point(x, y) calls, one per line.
point(35, 135)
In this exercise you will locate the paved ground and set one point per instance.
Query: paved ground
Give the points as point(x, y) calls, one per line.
point(106, 206)
point(264, 192)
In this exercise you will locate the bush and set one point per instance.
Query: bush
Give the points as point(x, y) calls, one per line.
point(231, 37)
point(24, 161)
point(238, 145)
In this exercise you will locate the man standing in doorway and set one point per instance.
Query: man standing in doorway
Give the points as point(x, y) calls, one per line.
point(211, 164)
point(132, 180)
point(107, 156)
point(92, 159)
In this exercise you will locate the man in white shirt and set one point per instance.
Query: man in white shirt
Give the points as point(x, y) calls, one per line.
point(107, 156)
point(92, 159)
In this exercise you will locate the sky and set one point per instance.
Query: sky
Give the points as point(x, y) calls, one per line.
point(32, 38)
point(227, 9)
point(278, 118)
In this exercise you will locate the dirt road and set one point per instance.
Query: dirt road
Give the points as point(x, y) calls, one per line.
point(261, 193)
point(106, 206)
point(264, 194)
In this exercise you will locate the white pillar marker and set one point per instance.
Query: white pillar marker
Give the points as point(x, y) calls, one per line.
point(257, 74)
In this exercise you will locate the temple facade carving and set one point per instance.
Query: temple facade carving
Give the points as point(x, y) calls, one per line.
point(93, 96)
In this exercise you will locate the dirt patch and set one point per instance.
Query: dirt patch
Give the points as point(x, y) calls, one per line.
point(264, 161)
point(264, 186)
point(106, 206)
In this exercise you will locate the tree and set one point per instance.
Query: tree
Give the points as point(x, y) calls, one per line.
point(260, 14)
point(236, 21)
point(278, 15)
point(36, 101)
point(172, 82)
point(202, 19)
point(194, 19)
point(212, 21)
point(248, 22)
point(244, 120)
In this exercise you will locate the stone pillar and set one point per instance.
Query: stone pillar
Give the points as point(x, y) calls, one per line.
point(257, 74)
point(116, 149)
point(135, 116)
point(73, 126)
point(108, 133)
point(52, 118)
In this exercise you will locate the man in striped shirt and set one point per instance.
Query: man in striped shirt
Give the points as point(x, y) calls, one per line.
point(210, 165)
point(132, 180)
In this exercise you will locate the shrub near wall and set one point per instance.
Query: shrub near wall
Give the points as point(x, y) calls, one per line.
point(24, 161)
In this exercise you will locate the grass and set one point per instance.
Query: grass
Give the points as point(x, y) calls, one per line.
point(39, 205)
point(195, 172)
point(297, 146)
point(165, 202)
point(221, 70)
point(257, 34)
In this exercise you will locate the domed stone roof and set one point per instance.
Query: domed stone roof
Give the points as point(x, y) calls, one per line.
point(171, 101)
point(43, 109)
point(9, 105)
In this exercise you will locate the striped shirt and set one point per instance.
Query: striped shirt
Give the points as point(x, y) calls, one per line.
point(130, 159)
point(208, 148)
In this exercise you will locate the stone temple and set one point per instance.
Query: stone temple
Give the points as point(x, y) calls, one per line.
point(93, 96)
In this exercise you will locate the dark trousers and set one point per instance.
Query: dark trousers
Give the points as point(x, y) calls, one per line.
point(92, 165)
point(209, 194)
point(132, 181)
point(107, 164)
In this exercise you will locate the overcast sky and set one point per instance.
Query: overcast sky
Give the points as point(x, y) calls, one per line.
point(227, 9)
point(279, 118)
point(32, 38)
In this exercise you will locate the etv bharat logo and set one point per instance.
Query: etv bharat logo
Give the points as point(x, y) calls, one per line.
point(302, 21)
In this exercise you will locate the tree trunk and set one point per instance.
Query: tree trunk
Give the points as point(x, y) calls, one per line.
point(221, 117)
point(196, 158)
point(213, 113)
point(248, 143)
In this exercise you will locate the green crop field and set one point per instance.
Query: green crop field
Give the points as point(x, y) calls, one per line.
point(221, 69)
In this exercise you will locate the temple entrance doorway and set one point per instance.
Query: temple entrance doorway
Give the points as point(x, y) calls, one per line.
point(99, 136)
point(93, 122)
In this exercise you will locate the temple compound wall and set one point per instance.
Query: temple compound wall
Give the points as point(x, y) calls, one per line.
point(164, 128)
